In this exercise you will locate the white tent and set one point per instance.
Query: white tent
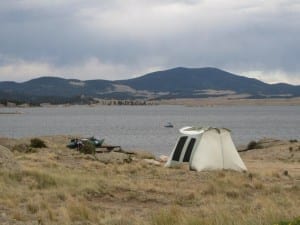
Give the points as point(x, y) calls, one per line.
point(206, 149)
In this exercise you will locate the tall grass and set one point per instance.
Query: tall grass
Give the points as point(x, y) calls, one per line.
point(79, 190)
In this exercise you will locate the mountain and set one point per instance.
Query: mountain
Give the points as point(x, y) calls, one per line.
point(51, 89)
point(54, 86)
point(174, 83)
point(186, 80)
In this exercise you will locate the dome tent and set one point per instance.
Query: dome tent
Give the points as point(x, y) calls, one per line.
point(206, 149)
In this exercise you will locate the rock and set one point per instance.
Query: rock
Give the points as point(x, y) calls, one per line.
point(152, 161)
point(144, 155)
point(163, 158)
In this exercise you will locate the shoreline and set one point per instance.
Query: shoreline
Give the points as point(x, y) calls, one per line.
point(189, 102)
point(10, 113)
point(210, 102)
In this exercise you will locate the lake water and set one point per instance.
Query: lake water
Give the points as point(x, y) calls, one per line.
point(142, 127)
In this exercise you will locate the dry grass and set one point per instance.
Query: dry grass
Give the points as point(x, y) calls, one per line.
point(60, 186)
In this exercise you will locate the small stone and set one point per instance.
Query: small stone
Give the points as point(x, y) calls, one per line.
point(163, 158)
point(152, 161)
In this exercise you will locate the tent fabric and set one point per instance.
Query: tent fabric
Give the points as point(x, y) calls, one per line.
point(206, 149)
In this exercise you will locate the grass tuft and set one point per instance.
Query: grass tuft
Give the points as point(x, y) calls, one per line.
point(24, 148)
point(253, 145)
point(43, 180)
point(37, 143)
point(78, 211)
point(88, 148)
point(172, 216)
point(295, 221)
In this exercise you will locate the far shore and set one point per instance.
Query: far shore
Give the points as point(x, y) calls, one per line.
point(224, 101)
point(190, 102)
point(8, 113)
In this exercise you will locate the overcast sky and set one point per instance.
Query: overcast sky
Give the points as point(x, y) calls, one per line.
point(118, 39)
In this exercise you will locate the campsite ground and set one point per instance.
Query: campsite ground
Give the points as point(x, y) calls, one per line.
point(56, 185)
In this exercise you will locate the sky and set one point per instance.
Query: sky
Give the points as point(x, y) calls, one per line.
point(120, 39)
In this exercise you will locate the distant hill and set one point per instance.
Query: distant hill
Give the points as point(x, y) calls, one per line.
point(52, 89)
point(189, 82)
point(54, 86)
point(174, 83)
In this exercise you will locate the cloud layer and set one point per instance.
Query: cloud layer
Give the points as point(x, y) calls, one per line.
point(119, 39)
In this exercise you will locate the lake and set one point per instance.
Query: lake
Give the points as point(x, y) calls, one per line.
point(142, 127)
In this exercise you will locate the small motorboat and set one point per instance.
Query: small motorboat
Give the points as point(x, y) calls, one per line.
point(169, 125)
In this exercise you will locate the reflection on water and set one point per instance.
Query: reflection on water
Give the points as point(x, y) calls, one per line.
point(142, 127)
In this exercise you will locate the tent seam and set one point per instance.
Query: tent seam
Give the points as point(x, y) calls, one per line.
point(222, 149)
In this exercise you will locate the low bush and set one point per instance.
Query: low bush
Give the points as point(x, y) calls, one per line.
point(88, 148)
point(37, 143)
point(43, 180)
point(296, 221)
point(24, 148)
point(172, 216)
point(253, 145)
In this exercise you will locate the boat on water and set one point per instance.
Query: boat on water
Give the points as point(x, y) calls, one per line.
point(169, 125)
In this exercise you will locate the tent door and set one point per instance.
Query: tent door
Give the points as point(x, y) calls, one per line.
point(179, 147)
point(189, 150)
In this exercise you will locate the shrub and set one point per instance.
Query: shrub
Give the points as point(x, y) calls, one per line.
point(293, 140)
point(167, 217)
point(296, 221)
point(253, 145)
point(232, 194)
point(88, 148)
point(25, 148)
point(37, 143)
point(43, 180)
point(32, 208)
point(209, 190)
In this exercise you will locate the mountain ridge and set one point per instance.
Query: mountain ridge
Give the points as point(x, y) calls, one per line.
point(179, 82)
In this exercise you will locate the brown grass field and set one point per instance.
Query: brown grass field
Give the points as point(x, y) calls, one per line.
point(56, 185)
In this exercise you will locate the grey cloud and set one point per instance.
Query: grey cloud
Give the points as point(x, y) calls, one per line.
point(56, 35)
point(137, 35)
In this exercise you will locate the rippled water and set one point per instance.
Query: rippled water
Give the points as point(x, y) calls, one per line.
point(142, 127)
